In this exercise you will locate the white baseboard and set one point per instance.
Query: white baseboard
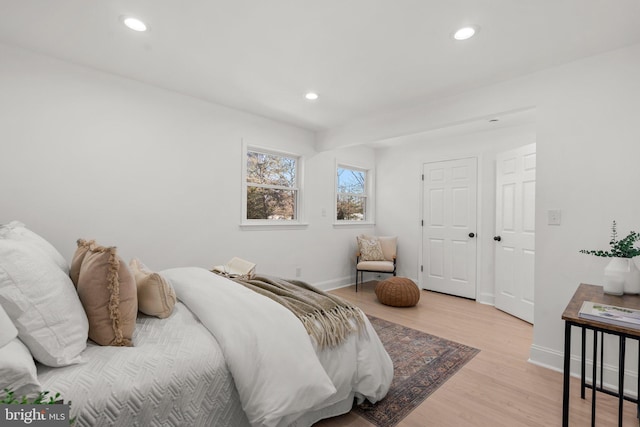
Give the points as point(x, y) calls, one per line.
point(549, 358)
point(554, 360)
point(332, 284)
point(343, 282)
point(486, 298)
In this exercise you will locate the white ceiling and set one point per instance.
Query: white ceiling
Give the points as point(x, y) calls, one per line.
point(363, 57)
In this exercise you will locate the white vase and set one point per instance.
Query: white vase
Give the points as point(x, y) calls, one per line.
point(621, 276)
point(632, 282)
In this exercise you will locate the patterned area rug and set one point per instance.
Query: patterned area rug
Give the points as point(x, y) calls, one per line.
point(421, 364)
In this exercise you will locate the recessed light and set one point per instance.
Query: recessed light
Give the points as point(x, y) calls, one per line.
point(465, 33)
point(134, 23)
point(311, 96)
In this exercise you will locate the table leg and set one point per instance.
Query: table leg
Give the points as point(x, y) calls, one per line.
point(583, 362)
point(594, 379)
point(567, 366)
point(621, 380)
point(601, 359)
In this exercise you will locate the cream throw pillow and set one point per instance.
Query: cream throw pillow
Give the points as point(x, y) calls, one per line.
point(108, 293)
point(156, 296)
point(370, 249)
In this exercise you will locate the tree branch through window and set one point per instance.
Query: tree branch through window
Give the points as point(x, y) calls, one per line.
point(272, 186)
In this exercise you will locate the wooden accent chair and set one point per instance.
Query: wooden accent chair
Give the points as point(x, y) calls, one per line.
point(366, 259)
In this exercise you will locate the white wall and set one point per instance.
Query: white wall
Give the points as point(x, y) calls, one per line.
point(588, 153)
point(400, 193)
point(158, 174)
point(588, 145)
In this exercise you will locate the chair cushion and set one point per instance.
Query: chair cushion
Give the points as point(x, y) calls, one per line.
point(383, 266)
point(398, 292)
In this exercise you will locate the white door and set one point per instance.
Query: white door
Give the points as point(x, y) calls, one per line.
point(449, 227)
point(515, 231)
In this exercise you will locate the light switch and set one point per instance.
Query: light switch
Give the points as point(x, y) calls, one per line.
point(554, 217)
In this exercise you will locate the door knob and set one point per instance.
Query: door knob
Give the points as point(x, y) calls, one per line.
point(497, 238)
point(472, 235)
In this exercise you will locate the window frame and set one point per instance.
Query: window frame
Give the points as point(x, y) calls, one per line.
point(369, 217)
point(299, 189)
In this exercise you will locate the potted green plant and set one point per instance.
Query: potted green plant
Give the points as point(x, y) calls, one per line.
point(621, 274)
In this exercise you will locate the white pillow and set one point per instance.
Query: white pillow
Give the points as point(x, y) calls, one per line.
point(17, 370)
point(7, 330)
point(42, 303)
point(16, 230)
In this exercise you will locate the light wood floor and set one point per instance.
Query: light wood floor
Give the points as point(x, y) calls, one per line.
point(498, 387)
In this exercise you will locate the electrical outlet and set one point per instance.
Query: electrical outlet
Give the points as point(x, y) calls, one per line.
point(298, 271)
point(554, 217)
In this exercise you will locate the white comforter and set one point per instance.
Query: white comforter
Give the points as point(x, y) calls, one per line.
point(277, 369)
point(175, 375)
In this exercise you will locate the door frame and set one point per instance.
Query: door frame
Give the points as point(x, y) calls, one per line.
point(479, 204)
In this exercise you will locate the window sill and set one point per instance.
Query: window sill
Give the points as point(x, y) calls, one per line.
point(353, 224)
point(273, 225)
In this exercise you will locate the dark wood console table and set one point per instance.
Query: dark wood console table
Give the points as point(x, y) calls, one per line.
point(571, 318)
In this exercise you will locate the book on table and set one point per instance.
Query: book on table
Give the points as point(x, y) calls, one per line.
point(620, 316)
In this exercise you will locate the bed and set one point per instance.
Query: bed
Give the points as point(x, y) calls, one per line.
point(226, 356)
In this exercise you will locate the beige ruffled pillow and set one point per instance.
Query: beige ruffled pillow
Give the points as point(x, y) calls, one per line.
point(107, 290)
point(156, 296)
point(370, 249)
point(76, 262)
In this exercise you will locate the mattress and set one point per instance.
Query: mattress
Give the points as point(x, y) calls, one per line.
point(174, 375)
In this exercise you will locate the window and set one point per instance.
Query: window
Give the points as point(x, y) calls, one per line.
point(271, 186)
point(352, 199)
